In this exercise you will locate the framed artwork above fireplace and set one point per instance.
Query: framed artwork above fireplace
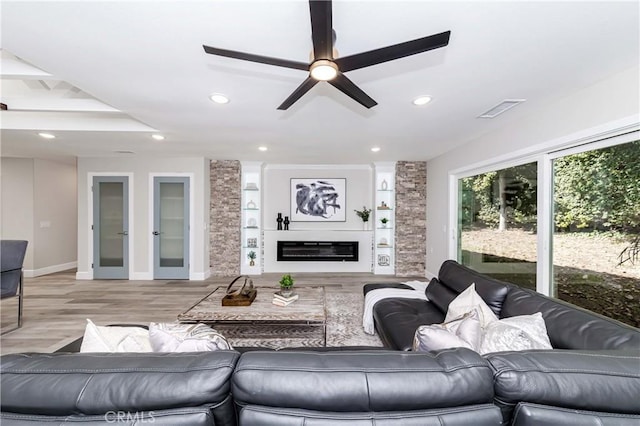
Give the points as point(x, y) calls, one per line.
point(318, 200)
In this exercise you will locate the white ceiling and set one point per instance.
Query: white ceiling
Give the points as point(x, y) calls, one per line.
point(109, 74)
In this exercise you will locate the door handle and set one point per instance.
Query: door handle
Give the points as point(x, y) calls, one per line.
point(125, 233)
point(155, 233)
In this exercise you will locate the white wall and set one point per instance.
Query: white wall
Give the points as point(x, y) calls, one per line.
point(140, 185)
point(276, 193)
point(602, 106)
point(39, 205)
point(16, 200)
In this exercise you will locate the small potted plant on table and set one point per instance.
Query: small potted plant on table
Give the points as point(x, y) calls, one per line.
point(286, 285)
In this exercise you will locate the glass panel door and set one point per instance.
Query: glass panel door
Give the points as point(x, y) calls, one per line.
point(497, 216)
point(171, 228)
point(596, 239)
point(110, 227)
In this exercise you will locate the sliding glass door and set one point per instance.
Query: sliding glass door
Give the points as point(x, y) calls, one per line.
point(586, 218)
point(596, 236)
point(497, 214)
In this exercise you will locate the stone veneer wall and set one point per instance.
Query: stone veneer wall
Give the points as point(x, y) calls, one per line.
point(224, 218)
point(411, 222)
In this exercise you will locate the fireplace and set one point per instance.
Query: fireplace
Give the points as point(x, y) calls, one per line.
point(317, 251)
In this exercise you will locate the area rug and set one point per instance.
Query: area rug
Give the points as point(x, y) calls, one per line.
point(343, 310)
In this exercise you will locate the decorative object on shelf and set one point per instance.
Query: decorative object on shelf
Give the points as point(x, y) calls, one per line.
point(251, 205)
point(252, 242)
point(279, 220)
point(243, 296)
point(318, 200)
point(364, 215)
point(384, 185)
point(252, 258)
point(384, 221)
point(252, 223)
point(384, 260)
point(383, 206)
point(286, 285)
point(251, 186)
point(383, 242)
point(286, 223)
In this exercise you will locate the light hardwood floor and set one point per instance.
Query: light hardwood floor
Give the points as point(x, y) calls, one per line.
point(56, 306)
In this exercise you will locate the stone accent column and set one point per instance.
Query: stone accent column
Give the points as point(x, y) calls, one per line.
point(411, 221)
point(224, 218)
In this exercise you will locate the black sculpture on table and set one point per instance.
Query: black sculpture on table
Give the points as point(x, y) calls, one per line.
point(279, 220)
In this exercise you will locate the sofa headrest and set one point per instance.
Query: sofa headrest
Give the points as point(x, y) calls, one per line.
point(362, 381)
point(458, 277)
point(96, 383)
point(569, 326)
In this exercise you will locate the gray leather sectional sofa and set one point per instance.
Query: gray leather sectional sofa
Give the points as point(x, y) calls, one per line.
point(591, 378)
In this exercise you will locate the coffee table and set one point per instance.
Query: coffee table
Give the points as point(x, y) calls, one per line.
point(302, 323)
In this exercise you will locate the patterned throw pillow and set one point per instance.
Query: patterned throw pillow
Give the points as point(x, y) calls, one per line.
point(462, 332)
point(176, 337)
point(519, 333)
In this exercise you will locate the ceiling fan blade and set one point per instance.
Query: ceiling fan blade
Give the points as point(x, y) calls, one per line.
point(389, 53)
point(257, 58)
point(321, 29)
point(297, 94)
point(347, 87)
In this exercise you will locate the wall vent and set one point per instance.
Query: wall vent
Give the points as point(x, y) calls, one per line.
point(503, 106)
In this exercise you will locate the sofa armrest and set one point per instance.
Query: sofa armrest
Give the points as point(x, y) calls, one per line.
point(607, 381)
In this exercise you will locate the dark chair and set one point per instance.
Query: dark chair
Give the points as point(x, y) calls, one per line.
point(11, 283)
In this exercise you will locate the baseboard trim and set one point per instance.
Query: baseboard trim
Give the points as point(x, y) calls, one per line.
point(84, 275)
point(31, 273)
point(200, 276)
point(142, 276)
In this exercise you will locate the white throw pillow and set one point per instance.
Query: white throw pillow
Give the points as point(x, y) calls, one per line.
point(517, 333)
point(176, 337)
point(115, 339)
point(462, 332)
point(467, 301)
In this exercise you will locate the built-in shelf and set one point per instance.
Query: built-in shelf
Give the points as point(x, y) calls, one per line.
point(385, 198)
point(251, 213)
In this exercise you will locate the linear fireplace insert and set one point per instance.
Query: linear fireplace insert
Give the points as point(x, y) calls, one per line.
point(318, 251)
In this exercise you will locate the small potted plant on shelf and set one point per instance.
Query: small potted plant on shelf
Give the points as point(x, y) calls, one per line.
point(364, 215)
point(384, 221)
point(286, 285)
point(252, 258)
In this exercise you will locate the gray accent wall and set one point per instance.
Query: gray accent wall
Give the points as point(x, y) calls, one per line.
point(411, 221)
point(224, 217)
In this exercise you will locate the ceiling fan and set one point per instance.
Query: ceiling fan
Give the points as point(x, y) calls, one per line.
point(326, 67)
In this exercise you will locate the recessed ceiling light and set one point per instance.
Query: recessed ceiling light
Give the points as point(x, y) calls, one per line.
point(219, 98)
point(158, 137)
point(46, 135)
point(375, 149)
point(262, 148)
point(422, 100)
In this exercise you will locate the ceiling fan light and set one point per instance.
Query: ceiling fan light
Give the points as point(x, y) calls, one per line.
point(219, 98)
point(422, 100)
point(324, 70)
